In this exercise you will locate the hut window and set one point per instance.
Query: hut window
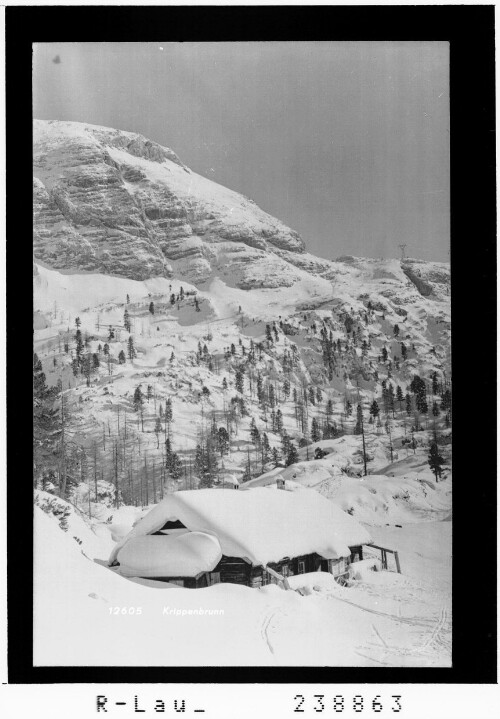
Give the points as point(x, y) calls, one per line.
point(302, 567)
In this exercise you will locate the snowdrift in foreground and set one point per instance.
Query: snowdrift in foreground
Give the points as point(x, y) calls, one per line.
point(258, 525)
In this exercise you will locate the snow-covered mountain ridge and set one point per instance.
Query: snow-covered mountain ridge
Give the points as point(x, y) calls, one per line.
point(114, 202)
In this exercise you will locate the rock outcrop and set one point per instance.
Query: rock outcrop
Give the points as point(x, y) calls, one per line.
point(114, 202)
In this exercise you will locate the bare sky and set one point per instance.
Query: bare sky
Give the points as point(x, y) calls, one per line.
point(346, 142)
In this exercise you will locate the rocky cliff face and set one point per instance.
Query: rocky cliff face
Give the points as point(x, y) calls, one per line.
point(114, 202)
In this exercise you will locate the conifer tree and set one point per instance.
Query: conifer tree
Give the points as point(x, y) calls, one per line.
point(374, 409)
point(275, 456)
point(315, 431)
point(152, 308)
point(358, 429)
point(87, 367)
point(435, 460)
point(158, 430)
point(239, 380)
point(222, 441)
point(131, 348)
point(79, 345)
point(168, 415)
point(247, 474)
point(138, 398)
point(293, 455)
point(126, 320)
point(121, 357)
point(254, 433)
point(279, 421)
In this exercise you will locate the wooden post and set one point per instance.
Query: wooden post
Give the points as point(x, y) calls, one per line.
point(398, 566)
point(278, 576)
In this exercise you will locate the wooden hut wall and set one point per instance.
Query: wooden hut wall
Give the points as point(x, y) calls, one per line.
point(234, 570)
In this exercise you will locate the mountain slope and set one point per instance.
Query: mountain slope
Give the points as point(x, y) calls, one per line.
point(121, 223)
point(114, 202)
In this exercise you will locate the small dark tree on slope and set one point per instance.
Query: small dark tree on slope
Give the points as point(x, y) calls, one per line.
point(138, 399)
point(315, 431)
point(435, 460)
point(126, 321)
point(359, 420)
point(239, 381)
point(374, 409)
point(293, 455)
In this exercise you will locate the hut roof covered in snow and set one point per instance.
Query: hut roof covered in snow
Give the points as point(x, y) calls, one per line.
point(258, 525)
point(185, 555)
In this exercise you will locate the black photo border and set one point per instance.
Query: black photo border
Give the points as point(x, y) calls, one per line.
point(470, 32)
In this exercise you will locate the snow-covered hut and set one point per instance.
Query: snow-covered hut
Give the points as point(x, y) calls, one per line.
point(201, 537)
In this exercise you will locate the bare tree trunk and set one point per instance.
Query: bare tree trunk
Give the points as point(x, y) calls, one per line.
point(117, 502)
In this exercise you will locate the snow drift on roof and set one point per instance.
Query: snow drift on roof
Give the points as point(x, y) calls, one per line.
point(184, 555)
point(258, 525)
